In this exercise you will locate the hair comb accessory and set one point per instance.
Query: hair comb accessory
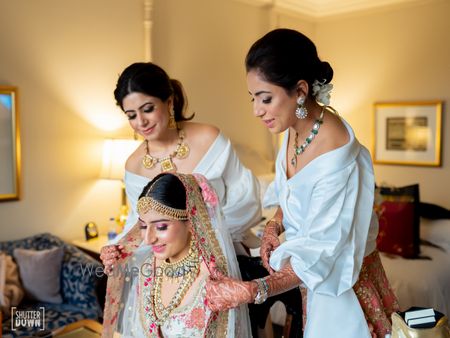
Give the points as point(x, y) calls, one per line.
point(321, 91)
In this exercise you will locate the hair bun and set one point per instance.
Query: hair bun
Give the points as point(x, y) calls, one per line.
point(324, 72)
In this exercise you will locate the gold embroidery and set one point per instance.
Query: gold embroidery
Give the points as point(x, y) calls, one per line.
point(146, 203)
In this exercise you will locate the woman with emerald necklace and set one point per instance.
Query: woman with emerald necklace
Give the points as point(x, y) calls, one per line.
point(324, 194)
point(157, 287)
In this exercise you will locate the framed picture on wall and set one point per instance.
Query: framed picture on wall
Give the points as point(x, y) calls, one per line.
point(9, 144)
point(407, 133)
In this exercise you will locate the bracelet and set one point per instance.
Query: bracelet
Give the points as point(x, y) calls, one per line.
point(263, 291)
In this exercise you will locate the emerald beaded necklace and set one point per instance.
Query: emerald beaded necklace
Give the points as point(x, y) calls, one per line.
point(298, 150)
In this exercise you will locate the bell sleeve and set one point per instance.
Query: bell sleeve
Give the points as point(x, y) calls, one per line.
point(327, 251)
point(237, 188)
point(241, 207)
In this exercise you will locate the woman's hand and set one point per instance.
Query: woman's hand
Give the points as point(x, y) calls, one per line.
point(109, 255)
point(223, 293)
point(270, 242)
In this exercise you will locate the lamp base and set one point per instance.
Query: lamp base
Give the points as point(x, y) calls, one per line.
point(121, 218)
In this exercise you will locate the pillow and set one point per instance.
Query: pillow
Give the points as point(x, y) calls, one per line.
point(433, 211)
point(436, 232)
point(40, 273)
point(398, 215)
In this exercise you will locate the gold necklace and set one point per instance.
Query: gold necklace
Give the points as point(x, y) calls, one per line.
point(298, 150)
point(180, 152)
point(188, 276)
point(179, 269)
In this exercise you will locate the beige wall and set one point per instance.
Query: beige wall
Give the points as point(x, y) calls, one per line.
point(400, 53)
point(397, 55)
point(65, 57)
point(203, 43)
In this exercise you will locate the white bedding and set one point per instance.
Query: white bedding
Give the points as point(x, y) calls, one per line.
point(419, 282)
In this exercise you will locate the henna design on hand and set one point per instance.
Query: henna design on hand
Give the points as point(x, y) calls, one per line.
point(270, 242)
point(109, 255)
point(282, 281)
point(224, 293)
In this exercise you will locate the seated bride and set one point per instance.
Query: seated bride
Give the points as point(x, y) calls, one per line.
point(157, 287)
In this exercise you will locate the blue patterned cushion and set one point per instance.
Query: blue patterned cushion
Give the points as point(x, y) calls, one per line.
point(79, 277)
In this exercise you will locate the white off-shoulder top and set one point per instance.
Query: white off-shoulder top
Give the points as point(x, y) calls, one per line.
point(236, 187)
point(330, 227)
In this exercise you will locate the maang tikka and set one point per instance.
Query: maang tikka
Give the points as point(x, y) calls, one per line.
point(301, 112)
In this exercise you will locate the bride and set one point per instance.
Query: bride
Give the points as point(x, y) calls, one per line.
point(157, 287)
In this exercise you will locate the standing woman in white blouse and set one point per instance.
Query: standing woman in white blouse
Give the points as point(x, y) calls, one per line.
point(155, 106)
point(324, 190)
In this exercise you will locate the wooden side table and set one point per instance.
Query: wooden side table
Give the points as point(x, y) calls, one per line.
point(93, 246)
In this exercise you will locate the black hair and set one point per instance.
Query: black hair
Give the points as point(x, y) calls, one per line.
point(167, 189)
point(150, 79)
point(284, 56)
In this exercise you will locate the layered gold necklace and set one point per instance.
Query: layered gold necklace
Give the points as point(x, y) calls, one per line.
point(166, 163)
point(186, 270)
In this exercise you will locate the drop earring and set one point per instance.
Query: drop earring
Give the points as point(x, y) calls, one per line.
point(172, 123)
point(301, 112)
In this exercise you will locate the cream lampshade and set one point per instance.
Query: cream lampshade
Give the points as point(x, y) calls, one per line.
point(115, 154)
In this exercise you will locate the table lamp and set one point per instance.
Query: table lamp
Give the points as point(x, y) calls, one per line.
point(115, 154)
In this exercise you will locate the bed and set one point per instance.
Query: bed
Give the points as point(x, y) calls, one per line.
point(425, 281)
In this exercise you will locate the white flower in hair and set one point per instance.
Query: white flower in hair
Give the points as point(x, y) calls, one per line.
point(321, 91)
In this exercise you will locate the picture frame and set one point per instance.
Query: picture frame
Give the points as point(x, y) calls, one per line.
point(9, 144)
point(407, 133)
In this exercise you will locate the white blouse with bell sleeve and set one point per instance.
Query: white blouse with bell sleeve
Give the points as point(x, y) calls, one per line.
point(329, 227)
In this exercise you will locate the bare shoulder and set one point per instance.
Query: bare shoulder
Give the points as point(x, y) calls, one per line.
point(337, 133)
point(133, 163)
point(200, 133)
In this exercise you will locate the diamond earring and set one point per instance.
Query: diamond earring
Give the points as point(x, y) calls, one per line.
point(301, 112)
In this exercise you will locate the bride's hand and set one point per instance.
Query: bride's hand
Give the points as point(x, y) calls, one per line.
point(224, 293)
point(109, 255)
